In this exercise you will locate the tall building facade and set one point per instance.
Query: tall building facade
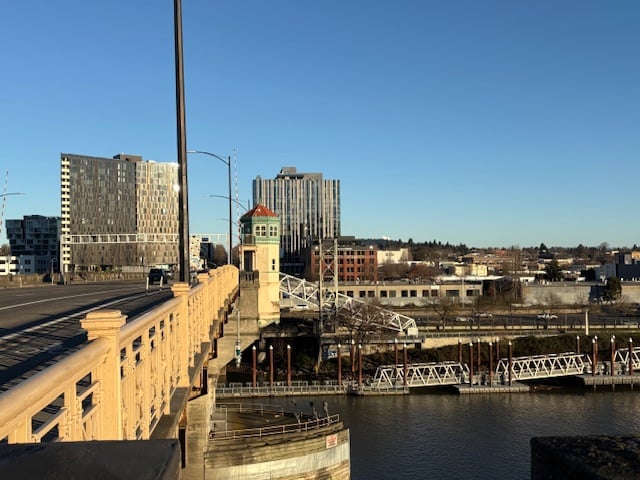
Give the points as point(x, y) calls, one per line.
point(308, 207)
point(35, 242)
point(348, 260)
point(119, 212)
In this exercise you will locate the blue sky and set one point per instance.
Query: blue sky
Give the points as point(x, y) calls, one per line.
point(490, 123)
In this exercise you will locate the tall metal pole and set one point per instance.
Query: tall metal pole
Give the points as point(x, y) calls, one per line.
point(230, 220)
point(254, 368)
point(227, 162)
point(339, 366)
point(183, 202)
point(271, 365)
point(490, 365)
point(359, 365)
point(288, 365)
point(510, 364)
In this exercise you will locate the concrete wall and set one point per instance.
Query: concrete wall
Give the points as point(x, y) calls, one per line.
point(574, 293)
point(325, 454)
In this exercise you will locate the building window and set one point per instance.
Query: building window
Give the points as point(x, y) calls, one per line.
point(261, 231)
point(273, 230)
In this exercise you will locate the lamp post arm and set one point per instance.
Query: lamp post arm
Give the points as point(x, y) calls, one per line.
point(227, 162)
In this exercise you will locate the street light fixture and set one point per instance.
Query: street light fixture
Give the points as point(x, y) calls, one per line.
point(227, 162)
point(245, 209)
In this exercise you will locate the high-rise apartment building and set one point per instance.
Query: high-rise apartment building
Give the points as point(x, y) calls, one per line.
point(118, 212)
point(308, 207)
point(35, 242)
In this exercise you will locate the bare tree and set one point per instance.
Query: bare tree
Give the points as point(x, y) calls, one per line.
point(445, 307)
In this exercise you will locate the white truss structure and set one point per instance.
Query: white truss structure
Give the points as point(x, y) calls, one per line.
point(343, 305)
point(421, 374)
point(622, 357)
point(542, 366)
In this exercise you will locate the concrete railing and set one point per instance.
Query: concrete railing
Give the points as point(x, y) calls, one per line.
point(120, 385)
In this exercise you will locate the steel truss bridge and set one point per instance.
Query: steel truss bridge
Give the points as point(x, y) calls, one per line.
point(344, 306)
point(522, 368)
point(421, 374)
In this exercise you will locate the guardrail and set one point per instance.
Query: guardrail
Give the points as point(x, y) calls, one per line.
point(120, 384)
point(302, 423)
point(281, 390)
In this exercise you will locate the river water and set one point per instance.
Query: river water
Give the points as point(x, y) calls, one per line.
point(486, 436)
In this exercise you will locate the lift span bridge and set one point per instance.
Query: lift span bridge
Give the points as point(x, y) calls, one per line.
point(343, 306)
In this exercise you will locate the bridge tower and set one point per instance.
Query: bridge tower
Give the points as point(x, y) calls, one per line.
point(260, 266)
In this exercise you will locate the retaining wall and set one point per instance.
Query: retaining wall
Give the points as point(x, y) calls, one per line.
point(319, 454)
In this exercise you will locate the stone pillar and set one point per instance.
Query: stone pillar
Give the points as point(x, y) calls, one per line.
point(181, 290)
point(106, 324)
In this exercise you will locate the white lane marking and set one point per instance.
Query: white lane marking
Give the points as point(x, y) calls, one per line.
point(45, 300)
point(61, 319)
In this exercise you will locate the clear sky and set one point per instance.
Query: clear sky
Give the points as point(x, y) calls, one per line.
point(490, 123)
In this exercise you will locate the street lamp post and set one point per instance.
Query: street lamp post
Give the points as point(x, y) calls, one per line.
point(227, 162)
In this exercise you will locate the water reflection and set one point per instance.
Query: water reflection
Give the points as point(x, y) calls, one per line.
point(442, 436)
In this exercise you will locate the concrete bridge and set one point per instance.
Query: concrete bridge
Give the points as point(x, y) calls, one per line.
point(143, 380)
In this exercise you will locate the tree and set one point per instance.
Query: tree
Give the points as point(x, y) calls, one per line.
point(5, 250)
point(553, 272)
point(445, 306)
point(220, 256)
point(612, 290)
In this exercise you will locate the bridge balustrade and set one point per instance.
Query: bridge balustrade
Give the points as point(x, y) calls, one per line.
point(120, 384)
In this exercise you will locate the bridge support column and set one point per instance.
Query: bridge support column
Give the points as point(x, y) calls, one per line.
point(107, 324)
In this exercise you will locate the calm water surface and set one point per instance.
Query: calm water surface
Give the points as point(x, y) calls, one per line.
point(446, 436)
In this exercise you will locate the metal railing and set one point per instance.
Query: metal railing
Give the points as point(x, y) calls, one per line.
point(300, 423)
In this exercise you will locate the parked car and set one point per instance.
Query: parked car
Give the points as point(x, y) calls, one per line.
point(483, 315)
point(158, 275)
point(547, 316)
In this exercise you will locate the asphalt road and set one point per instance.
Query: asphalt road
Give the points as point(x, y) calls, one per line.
point(38, 325)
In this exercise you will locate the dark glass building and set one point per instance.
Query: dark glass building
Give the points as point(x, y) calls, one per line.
point(118, 213)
